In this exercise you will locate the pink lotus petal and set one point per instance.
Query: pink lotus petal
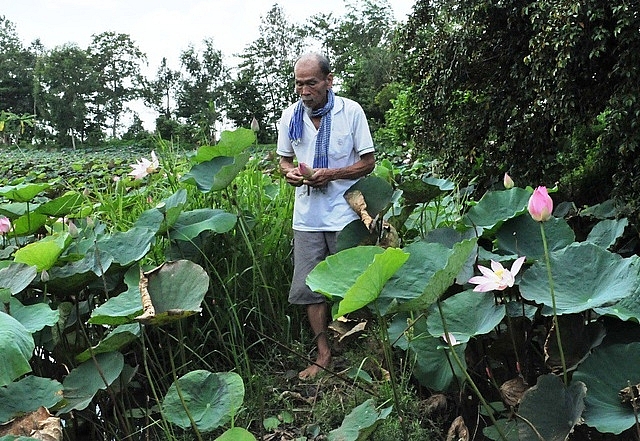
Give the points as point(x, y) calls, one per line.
point(517, 265)
point(496, 266)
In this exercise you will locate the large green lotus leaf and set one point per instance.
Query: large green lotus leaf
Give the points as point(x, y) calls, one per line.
point(216, 174)
point(28, 223)
point(605, 233)
point(606, 210)
point(17, 438)
point(23, 192)
point(430, 270)
point(605, 372)
point(354, 234)
point(114, 341)
point(584, 275)
point(34, 317)
point(236, 434)
point(14, 209)
point(28, 395)
point(17, 276)
point(151, 219)
point(191, 223)
point(509, 429)
point(402, 327)
point(496, 207)
point(177, 290)
point(551, 408)
point(376, 191)
point(578, 340)
point(467, 314)
point(164, 215)
point(127, 247)
point(355, 276)
point(16, 347)
point(625, 309)
point(44, 253)
point(522, 236)
point(124, 307)
point(434, 363)
point(212, 399)
point(120, 309)
point(450, 237)
point(75, 275)
point(418, 191)
point(83, 382)
point(62, 206)
point(231, 143)
point(360, 423)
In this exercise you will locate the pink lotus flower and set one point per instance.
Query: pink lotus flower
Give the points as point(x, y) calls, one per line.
point(5, 225)
point(305, 170)
point(498, 277)
point(508, 182)
point(450, 339)
point(144, 167)
point(540, 205)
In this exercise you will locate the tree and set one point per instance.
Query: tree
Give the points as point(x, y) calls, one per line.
point(245, 103)
point(163, 89)
point(65, 81)
point(267, 67)
point(359, 46)
point(16, 71)
point(116, 61)
point(544, 91)
point(201, 88)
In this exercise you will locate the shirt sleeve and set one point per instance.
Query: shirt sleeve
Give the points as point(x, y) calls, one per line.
point(363, 141)
point(284, 147)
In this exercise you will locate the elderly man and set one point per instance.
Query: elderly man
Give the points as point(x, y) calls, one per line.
point(329, 137)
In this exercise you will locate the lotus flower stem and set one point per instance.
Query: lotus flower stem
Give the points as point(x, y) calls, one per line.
point(553, 304)
point(513, 338)
point(486, 405)
point(386, 347)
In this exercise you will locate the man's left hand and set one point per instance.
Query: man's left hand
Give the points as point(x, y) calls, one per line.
point(320, 178)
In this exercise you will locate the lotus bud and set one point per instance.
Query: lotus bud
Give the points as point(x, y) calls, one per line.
point(5, 225)
point(540, 205)
point(254, 125)
point(508, 182)
point(305, 170)
point(73, 230)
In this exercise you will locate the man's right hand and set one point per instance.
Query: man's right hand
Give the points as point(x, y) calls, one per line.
point(294, 177)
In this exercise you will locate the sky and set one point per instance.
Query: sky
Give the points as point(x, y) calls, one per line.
point(162, 28)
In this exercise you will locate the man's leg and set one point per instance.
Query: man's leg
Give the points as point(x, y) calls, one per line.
point(318, 314)
point(309, 249)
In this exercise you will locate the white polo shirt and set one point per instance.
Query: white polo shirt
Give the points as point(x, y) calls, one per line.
point(350, 138)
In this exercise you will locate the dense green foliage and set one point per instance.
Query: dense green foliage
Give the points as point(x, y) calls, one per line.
point(546, 91)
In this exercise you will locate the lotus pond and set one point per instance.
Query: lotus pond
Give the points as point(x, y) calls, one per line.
point(155, 308)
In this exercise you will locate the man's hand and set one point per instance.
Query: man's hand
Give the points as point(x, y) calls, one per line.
point(294, 177)
point(320, 178)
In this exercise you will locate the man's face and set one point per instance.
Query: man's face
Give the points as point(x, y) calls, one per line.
point(311, 83)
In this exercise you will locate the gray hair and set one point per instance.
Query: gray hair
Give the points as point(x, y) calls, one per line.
point(323, 61)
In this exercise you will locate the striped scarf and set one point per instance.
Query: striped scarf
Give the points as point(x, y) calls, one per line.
point(321, 157)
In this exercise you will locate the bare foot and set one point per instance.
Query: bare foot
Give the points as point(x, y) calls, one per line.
point(312, 370)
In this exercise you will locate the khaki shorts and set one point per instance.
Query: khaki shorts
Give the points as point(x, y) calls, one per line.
point(309, 249)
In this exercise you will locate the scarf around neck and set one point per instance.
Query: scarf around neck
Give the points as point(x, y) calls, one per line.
point(321, 156)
